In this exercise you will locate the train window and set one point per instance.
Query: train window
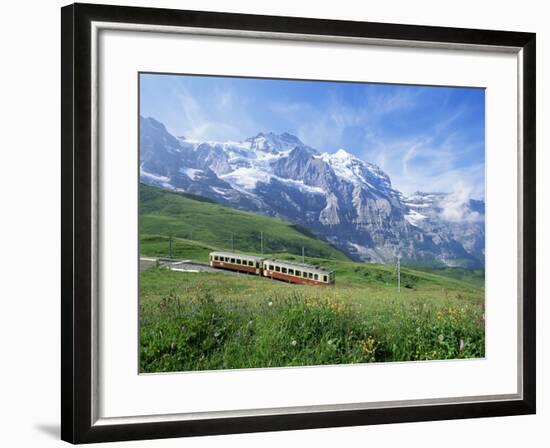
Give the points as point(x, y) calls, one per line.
point(270, 267)
point(325, 278)
point(277, 269)
point(232, 260)
point(283, 270)
point(298, 274)
point(304, 275)
point(310, 275)
point(316, 277)
point(251, 263)
point(291, 272)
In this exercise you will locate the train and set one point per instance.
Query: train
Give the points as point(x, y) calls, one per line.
point(287, 271)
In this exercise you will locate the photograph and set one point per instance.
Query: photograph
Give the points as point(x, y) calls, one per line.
point(293, 222)
point(284, 222)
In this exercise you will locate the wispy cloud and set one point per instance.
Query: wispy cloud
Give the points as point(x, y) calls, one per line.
point(455, 207)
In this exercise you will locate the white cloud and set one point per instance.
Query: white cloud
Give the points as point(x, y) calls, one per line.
point(455, 208)
point(432, 161)
point(222, 116)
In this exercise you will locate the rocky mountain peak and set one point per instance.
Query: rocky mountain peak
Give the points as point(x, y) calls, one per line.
point(337, 196)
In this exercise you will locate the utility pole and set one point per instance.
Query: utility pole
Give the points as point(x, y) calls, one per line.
point(399, 273)
point(303, 255)
point(262, 241)
point(232, 245)
point(170, 246)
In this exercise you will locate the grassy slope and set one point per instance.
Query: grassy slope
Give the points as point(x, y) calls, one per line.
point(190, 219)
point(207, 321)
point(475, 277)
point(198, 226)
point(203, 321)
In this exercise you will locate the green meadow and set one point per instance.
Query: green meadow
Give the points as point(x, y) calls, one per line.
point(197, 219)
point(206, 321)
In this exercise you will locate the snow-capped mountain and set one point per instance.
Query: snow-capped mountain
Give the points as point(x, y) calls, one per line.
point(337, 196)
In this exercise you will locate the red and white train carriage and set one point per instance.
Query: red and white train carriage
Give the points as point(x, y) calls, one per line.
point(278, 269)
point(297, 272)
point(236, 262)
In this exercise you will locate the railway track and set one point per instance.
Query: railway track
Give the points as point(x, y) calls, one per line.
point(180, 266)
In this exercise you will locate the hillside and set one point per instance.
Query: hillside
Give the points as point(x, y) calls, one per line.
point(194, 223)
point(198, 225)
point(335, 195)
point(208, 321)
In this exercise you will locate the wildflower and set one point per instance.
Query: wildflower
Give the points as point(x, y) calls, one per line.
point(293, 343)
point(461, 345)
point(216, 334)
point(250, 322)
point(368, 345)
point(270, 303)
point(440, 337)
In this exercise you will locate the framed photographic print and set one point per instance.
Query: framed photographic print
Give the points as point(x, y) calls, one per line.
point(274, 223)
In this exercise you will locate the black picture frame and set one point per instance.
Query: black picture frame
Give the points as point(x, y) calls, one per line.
point(76, 219)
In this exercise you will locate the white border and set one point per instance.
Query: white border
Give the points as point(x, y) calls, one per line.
point(118, 388)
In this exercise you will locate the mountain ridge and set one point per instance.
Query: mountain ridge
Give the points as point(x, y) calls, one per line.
point(337, 196)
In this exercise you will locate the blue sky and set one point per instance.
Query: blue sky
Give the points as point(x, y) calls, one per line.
point(426, 138)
